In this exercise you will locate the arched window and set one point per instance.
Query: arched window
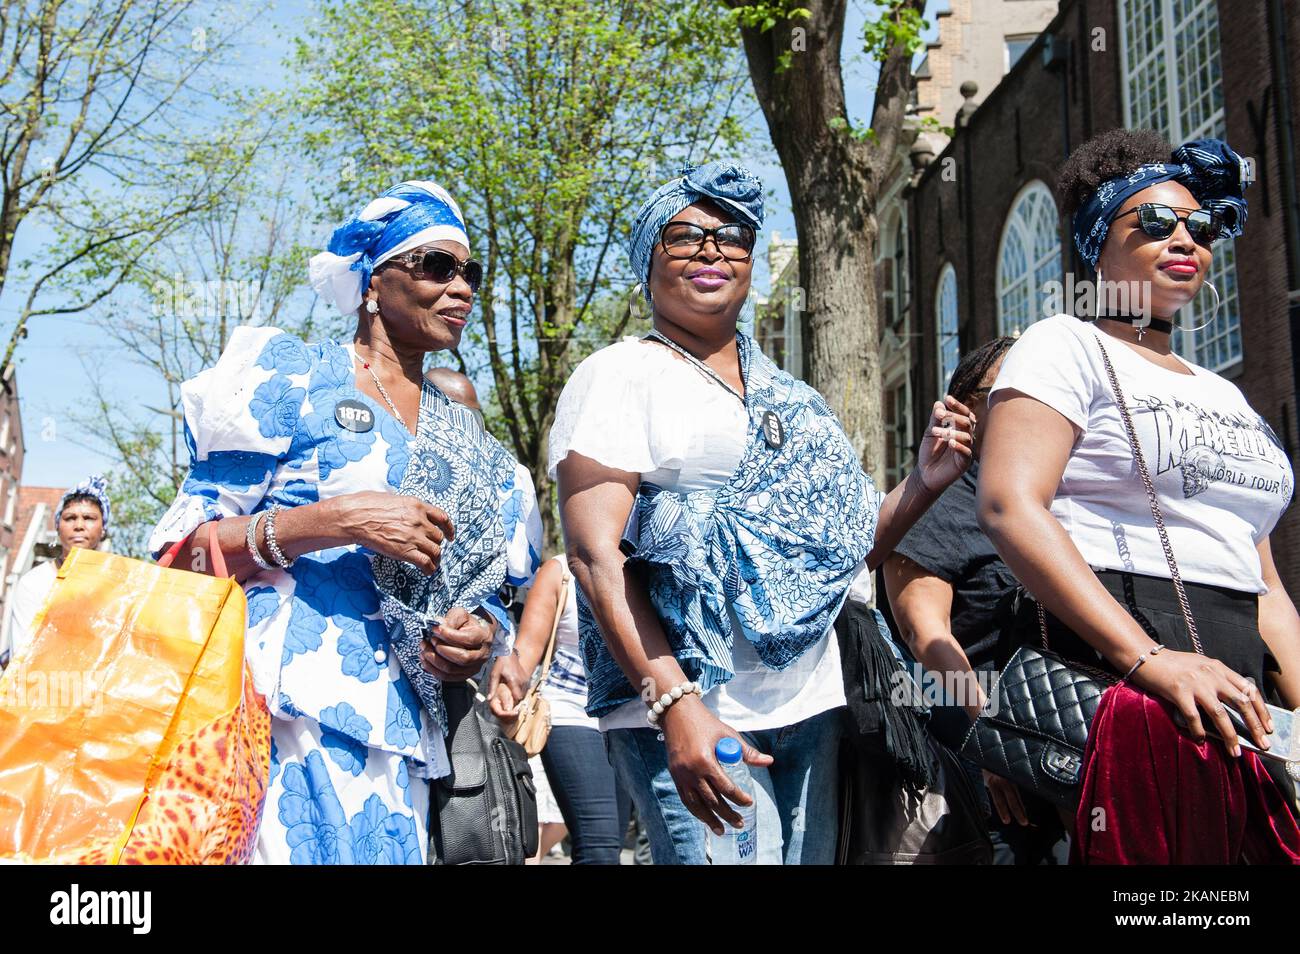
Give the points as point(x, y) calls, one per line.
point(1173, 83)
point(1029, 256)
point(945, 306)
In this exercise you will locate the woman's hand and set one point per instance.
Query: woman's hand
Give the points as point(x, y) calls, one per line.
point(457, 649)
point(507, 686)
point(1193, 683)
point(1005, 796)
point(690, 733)
point(946, 448)
point(396, 525)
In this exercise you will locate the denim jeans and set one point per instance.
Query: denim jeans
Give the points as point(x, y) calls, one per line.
point(797, 795)
point(596, 808)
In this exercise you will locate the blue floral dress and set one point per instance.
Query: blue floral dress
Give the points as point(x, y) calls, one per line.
point(351, 746)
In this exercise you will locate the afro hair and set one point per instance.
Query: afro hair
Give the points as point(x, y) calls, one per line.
point(1116, 152)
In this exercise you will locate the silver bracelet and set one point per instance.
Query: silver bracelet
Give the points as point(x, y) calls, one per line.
point(276, 553)
point(668, 698)
point(1141, 659)
point(251, 539)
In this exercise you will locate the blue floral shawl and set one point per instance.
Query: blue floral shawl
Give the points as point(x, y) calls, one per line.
point(454, 465)
point(777, 544)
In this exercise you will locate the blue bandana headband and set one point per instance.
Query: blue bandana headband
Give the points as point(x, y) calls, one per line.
point(96, 487)
point(728, 184)
point(1210, 169)
point(407, 216)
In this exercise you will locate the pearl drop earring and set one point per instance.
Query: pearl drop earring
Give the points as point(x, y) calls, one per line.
point(372, 306)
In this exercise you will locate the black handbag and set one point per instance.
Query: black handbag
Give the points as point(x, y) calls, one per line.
point(485, 811)
point(886, 821)
point(1034, 726)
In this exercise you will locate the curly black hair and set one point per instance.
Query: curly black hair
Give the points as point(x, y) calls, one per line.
point(1116, 152)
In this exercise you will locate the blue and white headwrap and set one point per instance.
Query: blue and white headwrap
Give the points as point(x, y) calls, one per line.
point(407, 216)
point(727, 184)
point(96, 486)
point(1210, 169)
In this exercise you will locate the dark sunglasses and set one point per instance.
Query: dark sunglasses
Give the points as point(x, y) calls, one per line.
point(1159, 221)
point(734, 241)
point(441, 267)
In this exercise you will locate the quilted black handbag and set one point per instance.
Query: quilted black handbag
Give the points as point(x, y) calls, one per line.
point(1035, 724)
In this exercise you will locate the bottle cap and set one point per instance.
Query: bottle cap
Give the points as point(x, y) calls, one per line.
point(728, 751)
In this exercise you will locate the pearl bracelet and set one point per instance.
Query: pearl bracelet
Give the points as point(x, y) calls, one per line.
point(668, 698)
point(251, 540)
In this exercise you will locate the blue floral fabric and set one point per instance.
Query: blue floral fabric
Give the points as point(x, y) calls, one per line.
point(775, 548)
point(468, 474)
point(261, 429)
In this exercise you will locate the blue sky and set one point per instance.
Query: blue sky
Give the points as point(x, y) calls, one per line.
point(51, 360)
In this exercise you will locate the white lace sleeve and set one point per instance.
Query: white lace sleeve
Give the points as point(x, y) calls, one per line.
point(240, 417)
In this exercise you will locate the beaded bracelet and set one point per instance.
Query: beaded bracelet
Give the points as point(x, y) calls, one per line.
point(251, 539)
point(669, 697)
point(271, 545)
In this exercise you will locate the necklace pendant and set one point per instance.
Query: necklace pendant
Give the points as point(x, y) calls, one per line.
point(1141, 330)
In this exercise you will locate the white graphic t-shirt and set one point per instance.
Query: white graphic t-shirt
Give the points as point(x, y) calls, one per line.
point(1221, 474)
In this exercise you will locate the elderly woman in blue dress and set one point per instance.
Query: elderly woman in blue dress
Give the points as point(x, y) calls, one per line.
point(751, 519)
point(371, 523)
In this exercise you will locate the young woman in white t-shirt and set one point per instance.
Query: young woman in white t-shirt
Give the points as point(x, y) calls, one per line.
point(672, 412)
point(1059, 492)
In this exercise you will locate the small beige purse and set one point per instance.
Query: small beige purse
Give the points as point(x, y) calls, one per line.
point(532, 725)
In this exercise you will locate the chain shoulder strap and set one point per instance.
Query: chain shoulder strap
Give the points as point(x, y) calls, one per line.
point(1152, 499)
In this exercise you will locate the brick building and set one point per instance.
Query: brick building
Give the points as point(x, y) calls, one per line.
point(986, 233)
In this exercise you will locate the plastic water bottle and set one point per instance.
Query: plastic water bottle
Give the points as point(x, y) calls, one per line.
point(738, 846)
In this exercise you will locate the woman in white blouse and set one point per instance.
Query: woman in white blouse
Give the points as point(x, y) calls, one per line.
point(690, 411)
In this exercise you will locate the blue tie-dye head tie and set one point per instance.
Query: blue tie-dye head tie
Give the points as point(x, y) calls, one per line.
point(731, 186)
point(95, 486)
point(1210, 169)
point(407, 216)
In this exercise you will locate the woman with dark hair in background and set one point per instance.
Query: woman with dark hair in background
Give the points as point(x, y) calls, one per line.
point(948, 592)
point(81, 520)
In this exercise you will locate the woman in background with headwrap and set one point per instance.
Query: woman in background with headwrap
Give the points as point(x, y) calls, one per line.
point(80, 521)
point(1062, 499)
point(318, 462)
point(751, 518)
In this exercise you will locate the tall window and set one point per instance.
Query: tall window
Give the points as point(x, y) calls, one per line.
point(946, 322)
point(891, 273)
point(1173, 84)
point(1029, 256)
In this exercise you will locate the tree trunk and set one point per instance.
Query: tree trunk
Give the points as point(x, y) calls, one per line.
point(835, 177)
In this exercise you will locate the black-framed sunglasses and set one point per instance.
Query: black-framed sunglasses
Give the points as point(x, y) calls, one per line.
point(1160, 221)
point(441, 267)
point(733, 241)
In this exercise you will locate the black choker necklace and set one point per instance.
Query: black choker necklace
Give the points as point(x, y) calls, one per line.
point(1143, 323)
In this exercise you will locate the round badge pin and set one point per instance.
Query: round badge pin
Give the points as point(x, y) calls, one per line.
point(773, 430)
point(354, 416)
